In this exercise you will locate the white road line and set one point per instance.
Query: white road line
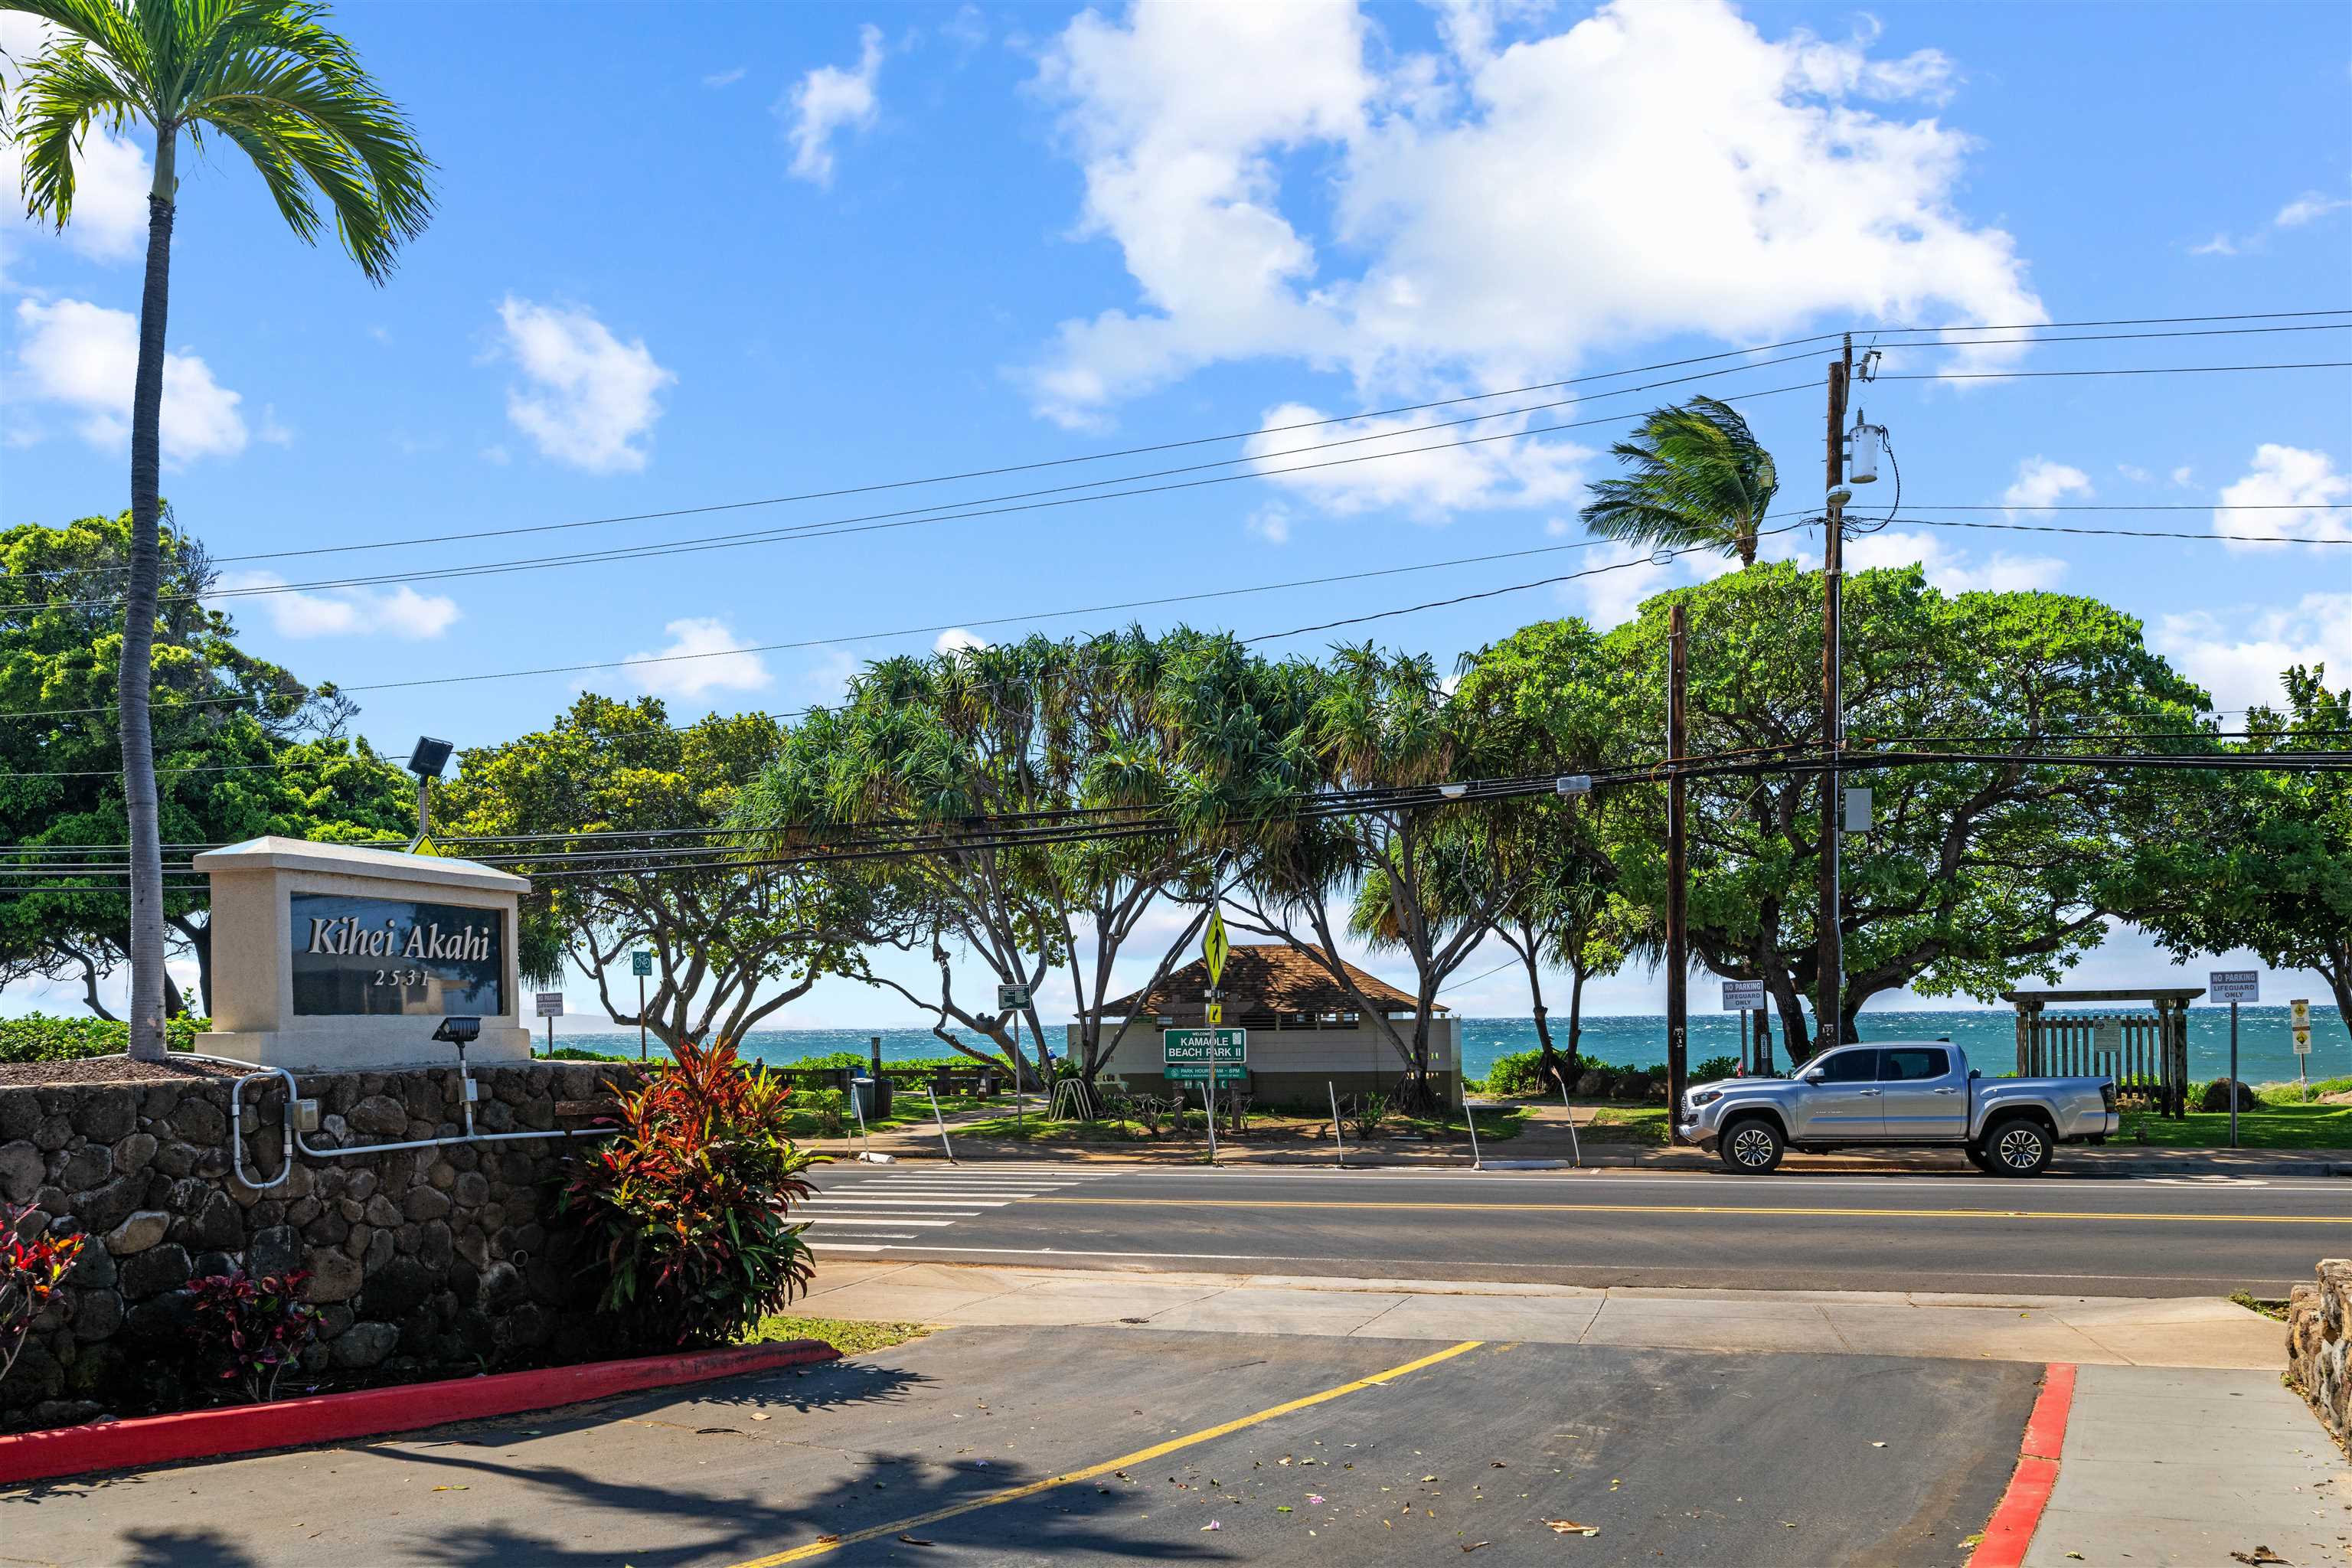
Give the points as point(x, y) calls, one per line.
point(1395, 1267)
point(968, 1204)
point(869, 1223)
point(847, 1247)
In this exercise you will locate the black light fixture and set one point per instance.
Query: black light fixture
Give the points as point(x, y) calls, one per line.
point(426, 762)
point(429, 758)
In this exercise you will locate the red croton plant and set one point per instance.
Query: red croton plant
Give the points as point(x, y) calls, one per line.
point(253, 1327)
point(31, 1268)
point(685, 1206)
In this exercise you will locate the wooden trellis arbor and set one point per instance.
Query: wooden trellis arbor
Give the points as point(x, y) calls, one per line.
point(2145, 1049)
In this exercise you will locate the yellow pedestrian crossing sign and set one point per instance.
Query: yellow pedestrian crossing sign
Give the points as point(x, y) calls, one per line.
point(1215, 946)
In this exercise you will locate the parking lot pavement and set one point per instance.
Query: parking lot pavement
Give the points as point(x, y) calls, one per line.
point(1026, 1444)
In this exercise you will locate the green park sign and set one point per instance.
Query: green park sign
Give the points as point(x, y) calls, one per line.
point(1198, 1055)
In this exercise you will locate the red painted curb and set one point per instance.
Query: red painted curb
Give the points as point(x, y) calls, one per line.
point(371, 1412)
point(2019, 1515)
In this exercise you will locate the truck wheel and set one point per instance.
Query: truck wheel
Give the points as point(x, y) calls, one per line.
point(2019, 1146)
point(1750, 1148)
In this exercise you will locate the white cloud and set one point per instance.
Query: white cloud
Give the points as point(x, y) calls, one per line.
point(2135, 473)
point(827, 100)
point(2308, 206)
point(111, 175)
point(725, 78)
point(1271, 523)
point(86, 357)
point(955, 639)
point(1951, 569)
point(701, 660)
point(2184, 476)
point(1447, 477)
point(1613, 596)
point(591, 396)
point(2303, 482)
point(400, 611)
point(967, 28)
point(2042, 483)
point(2219, 245)
point(2239, 657)
point(1505, 203)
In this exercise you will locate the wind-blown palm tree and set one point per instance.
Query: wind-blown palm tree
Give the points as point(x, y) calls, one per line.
point(1699, 479)
point(269, 77)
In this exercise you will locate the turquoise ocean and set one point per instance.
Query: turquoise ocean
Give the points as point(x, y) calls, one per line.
point(2266, 1052)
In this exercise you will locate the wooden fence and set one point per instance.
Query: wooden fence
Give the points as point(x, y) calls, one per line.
point(2146, 1053)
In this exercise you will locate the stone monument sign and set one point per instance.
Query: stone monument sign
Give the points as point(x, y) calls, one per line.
point(326, 957)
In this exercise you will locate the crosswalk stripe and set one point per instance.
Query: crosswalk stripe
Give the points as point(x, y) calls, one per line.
point(976, 1205)
point(852, 1219)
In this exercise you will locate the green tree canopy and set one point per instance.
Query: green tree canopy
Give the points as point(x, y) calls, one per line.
point(1033, 730)
point(251, 750)
point(2265, 859)
point(732, 942)
point(1978, 874)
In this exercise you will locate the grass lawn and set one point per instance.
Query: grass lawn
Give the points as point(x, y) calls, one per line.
point(841, 1333)
point(1639, 1124)
point(2274, 1126)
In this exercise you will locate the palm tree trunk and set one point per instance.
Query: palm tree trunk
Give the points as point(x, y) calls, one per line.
point(147, 998)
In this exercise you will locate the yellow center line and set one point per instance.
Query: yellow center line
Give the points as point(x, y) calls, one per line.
point(823, 1545)
point(1791, 1211)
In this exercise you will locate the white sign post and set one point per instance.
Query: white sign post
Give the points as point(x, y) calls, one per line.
point(2233, 986)
point(551, 1008)
point(2299, 1019)
point(1743, 997)
point(1012, 998)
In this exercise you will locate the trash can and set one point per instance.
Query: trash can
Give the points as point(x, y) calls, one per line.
point(864, 1088)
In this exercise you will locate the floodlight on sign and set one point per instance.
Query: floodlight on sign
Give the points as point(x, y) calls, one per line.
point(429, 757)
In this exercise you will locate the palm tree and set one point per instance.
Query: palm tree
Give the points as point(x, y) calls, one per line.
point(267, 77)
point(1699, 479)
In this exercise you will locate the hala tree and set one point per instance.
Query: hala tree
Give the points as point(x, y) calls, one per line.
point(1542, 700)
point(1033, 732)
point(1978, 873)
point(1424, 881)
point(267, 77)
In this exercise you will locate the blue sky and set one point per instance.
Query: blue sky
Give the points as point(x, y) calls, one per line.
point(688, 256)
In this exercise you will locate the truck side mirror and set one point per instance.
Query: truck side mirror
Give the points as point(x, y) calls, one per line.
point(1975, 1073)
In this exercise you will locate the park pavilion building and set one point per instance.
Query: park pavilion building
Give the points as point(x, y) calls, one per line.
point(1305, 1030)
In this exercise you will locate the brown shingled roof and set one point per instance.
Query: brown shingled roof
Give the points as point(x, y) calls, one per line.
point(1270, 978)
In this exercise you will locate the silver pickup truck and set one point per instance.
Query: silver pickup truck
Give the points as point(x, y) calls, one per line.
point(1897, 1092)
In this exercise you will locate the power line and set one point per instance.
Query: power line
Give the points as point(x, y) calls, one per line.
point(1743, 354)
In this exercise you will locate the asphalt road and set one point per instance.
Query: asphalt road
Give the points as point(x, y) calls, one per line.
point(1208, 1449)
point(2133, 1236)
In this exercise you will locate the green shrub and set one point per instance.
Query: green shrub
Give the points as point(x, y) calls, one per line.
point(582, 1053)
point(1714, 1068)
point(1521, 1073)
point(683, 1210)
point(37, 1037)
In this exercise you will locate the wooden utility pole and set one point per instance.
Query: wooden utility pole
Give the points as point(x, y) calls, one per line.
point(1677, 872)
point(1831, 982)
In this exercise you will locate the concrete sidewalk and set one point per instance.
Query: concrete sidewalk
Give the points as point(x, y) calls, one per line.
point(2167, 1467)
point(1992, 1326)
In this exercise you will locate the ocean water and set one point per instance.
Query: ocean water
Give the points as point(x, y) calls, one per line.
point(2265, 1049)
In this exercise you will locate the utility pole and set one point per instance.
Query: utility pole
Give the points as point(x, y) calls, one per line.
point(1830, 985)
point(1677, 872)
